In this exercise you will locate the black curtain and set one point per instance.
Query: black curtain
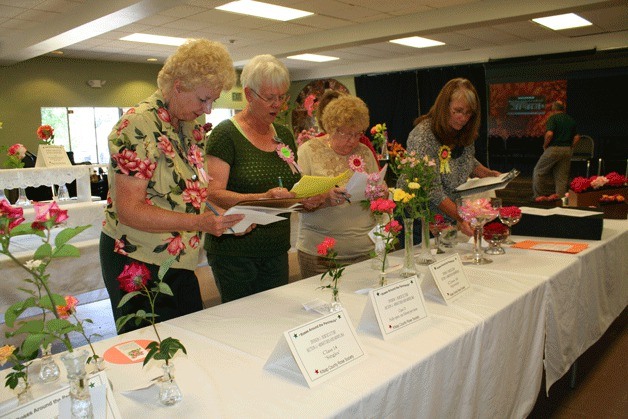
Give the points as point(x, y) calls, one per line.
point(392, 99)
point(432, 80)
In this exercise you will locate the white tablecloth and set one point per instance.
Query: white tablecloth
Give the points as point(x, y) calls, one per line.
point(80, 277)
point(482, 356)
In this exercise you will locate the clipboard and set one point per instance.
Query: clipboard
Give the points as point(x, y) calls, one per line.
point(478, 185)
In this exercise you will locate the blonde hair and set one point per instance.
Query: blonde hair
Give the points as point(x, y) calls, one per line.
point(264, 70)
point(197, 62)
point(346, 111)
point(325, 100)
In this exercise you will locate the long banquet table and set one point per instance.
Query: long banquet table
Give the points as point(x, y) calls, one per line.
point(482, 356)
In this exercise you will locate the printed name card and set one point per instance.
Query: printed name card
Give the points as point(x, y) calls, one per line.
point(52, 156)
point(394, 307)
point(450, 278)
point(318, 350)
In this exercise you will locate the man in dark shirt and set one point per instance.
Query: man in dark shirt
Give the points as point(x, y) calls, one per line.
point(551, 173)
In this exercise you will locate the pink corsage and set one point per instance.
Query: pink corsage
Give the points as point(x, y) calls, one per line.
point(356, 163)
point(287, 155)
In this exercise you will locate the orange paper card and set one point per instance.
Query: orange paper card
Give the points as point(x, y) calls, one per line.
point(127, 352)
point(562, 247)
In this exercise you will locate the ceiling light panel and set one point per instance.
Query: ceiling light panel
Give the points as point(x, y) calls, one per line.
point(154, 39)
point(417, 42)
point(560, 22)
point(264, 10)
point(313, 57)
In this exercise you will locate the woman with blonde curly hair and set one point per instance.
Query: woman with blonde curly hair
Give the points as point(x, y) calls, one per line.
point(158, 183)
point(345, 119)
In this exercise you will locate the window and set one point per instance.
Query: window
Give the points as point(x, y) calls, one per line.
point(84, 130)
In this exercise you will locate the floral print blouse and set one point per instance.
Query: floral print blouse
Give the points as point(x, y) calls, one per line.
point(145, 145)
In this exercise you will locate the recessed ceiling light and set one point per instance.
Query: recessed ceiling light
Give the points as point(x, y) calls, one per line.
point(152, 60)
point(265, 10)
point(417, 42)
point(154, 39)
point(559, 22)
point(313, 57)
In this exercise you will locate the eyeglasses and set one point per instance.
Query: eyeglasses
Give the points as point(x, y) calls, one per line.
point(273, 99)
point(349, 135)
point(460, 111)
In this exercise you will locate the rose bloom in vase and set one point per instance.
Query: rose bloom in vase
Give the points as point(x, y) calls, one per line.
point(46, 135)
point(334, 271)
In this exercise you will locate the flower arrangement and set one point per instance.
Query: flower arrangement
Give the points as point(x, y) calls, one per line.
point(477, 211)
point(495, 229)
point(136, 280)
point(509, 212)
point(582, 184)
point(381, 207)
point(20, 367)
point(612, 199)
point(380, 136)
point(45, 133)
point(305, 136)
point(53, 324)
point(15, 155)
point(395, 149)
point(335, 270)
point(416, 176)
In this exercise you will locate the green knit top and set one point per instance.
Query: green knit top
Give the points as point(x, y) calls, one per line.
point(252, 171)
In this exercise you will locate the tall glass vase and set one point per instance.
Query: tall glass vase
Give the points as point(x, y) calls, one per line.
point(22, 200)
point(80, 399)
point(409, 267)
point(380, 246)
point(425, 253)
point(478, 254)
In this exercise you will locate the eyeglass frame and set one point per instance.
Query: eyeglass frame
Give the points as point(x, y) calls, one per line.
point(277, 99)
point(346, 136)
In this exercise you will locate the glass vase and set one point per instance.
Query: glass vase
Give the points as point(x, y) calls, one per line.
point(478, 254)
point(22, 200)
point(382, 279)
point(380, 245)
point(409, 267)
point(425, 256)
point(49, 370)
point(80, 399)
point(23, 390)
point(2, 195)
point(169, 392)
point(335, 305)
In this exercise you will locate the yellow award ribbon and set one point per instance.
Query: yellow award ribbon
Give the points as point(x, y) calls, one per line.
point(444, 154)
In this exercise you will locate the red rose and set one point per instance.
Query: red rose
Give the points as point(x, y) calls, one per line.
point(48, 215)
point(134, 277)
point(393, 226)
point(9, 216)
point(69, 307)
point(326, 246)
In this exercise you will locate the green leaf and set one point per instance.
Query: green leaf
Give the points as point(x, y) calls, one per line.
point(165, 289)
point(68, 233)
point(31, 343)
point(60, 326)
point(31, 326)
point(66, 250)
point(13, 312)
point(121, 321)
point(44, 251)
point(57, 300)
point(126, 297)
point(25, 228)
point(165, 266)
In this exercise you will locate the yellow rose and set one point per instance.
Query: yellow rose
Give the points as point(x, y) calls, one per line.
point(5, 352)
point(414, 185)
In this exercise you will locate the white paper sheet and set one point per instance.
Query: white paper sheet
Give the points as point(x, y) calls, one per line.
point(251, 217)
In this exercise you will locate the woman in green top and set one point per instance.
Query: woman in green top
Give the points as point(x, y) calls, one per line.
point(157, 183)
point(250, 157)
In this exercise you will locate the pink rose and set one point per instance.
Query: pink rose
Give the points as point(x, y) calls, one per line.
point(134, 277)
point(10, 217)
point(17, 150)
point(393, 227)
point(48, 215)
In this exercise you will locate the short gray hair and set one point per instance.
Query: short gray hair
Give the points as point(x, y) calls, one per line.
point(264, 70)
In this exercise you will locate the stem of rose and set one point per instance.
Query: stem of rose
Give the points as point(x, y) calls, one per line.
point(151, 300)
